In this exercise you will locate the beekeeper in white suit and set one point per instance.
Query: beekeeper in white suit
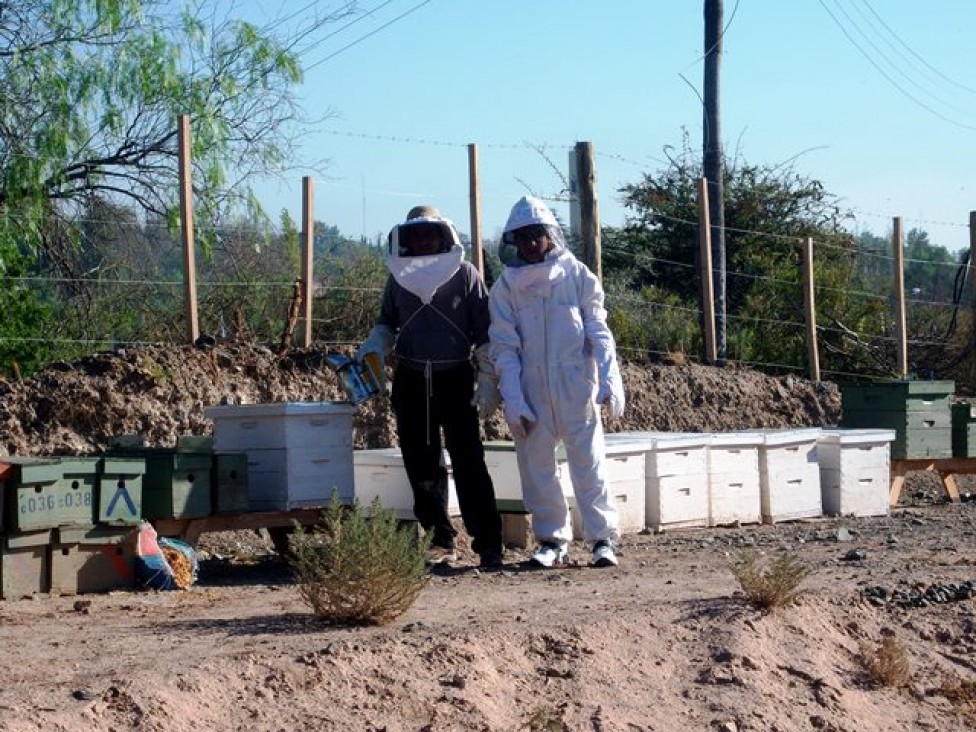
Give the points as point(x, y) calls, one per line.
point(556, 363)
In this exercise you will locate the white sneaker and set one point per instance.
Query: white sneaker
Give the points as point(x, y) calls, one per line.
point(550, 554)
point(603, 555)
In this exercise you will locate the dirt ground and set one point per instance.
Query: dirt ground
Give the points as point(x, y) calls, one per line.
point(666, 641)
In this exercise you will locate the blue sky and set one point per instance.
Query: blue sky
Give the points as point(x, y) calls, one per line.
point(886, 119)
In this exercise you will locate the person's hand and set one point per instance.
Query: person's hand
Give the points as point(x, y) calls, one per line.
point(519, 419)
point(611, 394)
point(486, 397)
point(379, 341)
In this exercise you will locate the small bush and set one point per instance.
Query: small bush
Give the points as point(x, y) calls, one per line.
point(961, 693)
point(886, 665)
point(774, 587)
point(356, 568)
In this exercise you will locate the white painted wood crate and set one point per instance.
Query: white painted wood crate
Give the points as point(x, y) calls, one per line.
point(503, 468)
point(298, 453)
point(789, 474)
point(625, 468)
point(625, 480)
point(380, 474)
point(855, 471)
point(733, 478)
point(677, 481)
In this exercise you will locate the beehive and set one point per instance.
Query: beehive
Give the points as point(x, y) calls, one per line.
point(789, 474)
point(92, 559)
point(176, 484)
point(964, 429)
point(855, 471)
point(734, 490)
point(229, 482)
point(918, 411)
point(298, 453)
point(380, 474)
point(25, 568)
point(119, 489)
point(45, 493)
point(676, 480)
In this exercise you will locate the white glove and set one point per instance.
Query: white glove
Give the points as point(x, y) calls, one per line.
point(520, 419)
point(611, 393)
point(486, 396)
point(379, 341)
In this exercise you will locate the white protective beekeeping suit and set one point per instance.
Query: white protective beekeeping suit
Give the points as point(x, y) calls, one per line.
point(556, 362)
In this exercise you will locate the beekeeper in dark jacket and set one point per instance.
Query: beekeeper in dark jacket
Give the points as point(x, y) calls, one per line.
point(434, 316)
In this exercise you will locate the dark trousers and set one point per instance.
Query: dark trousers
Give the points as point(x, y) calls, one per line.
point(423, 407)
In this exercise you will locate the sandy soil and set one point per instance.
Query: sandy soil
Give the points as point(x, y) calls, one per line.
point(664, 642)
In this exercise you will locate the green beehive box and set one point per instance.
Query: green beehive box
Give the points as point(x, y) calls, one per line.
point(176, 484)
point(49, 492)
point(964, 429)
point(119, 490)
point(194, 443)
point(92, 559)
point(25, 568)
point(918, 411)
point(6, 479)
point(230, 482)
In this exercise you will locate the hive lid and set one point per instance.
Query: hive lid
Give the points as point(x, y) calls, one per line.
point(281, 409)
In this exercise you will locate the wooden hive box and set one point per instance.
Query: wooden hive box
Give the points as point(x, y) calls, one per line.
point(92, 559)
point(298, 453)
point(45, 493)
point(119, 490)
point(918, 411)
point(855, 471)
point(229, 482)
point(25, 568)
point(176, 484)
point(789, 474)
point(964, 429)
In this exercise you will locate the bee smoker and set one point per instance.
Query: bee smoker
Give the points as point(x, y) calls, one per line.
point(361, 381)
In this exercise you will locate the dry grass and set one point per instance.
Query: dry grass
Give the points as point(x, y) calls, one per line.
point(887, 664)
point(772, 587)
point(961, 693)
point(357, 568)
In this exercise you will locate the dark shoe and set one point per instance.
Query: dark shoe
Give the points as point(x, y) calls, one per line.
point(491, 560)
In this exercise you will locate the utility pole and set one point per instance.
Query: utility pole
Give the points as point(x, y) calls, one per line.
point(712, 163)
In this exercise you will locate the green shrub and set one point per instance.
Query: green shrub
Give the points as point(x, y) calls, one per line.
point(773, 587)
point(358, 568)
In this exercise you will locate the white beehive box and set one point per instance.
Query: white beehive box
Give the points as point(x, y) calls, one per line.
point(625, 466)
point(380, 474)
point(503, 468)
point(298, 453)
point(733, 478)
point(789, 474)
point(677, 481)
point(855, 471)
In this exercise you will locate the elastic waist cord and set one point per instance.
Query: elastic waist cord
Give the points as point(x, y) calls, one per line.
point(429, 382)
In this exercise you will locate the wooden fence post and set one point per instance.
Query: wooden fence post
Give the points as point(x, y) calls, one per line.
point(308, 254)
point(474, 187)
point(705, 273)
point(186, 234)
point(901, 325)
point(810, 305)
point(589, 209)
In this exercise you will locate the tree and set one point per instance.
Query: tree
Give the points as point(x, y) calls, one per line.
point(91, 93)
point(90, 96)
point(768, 210)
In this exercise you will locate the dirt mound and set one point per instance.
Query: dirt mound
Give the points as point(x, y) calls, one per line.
point(161, 392)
